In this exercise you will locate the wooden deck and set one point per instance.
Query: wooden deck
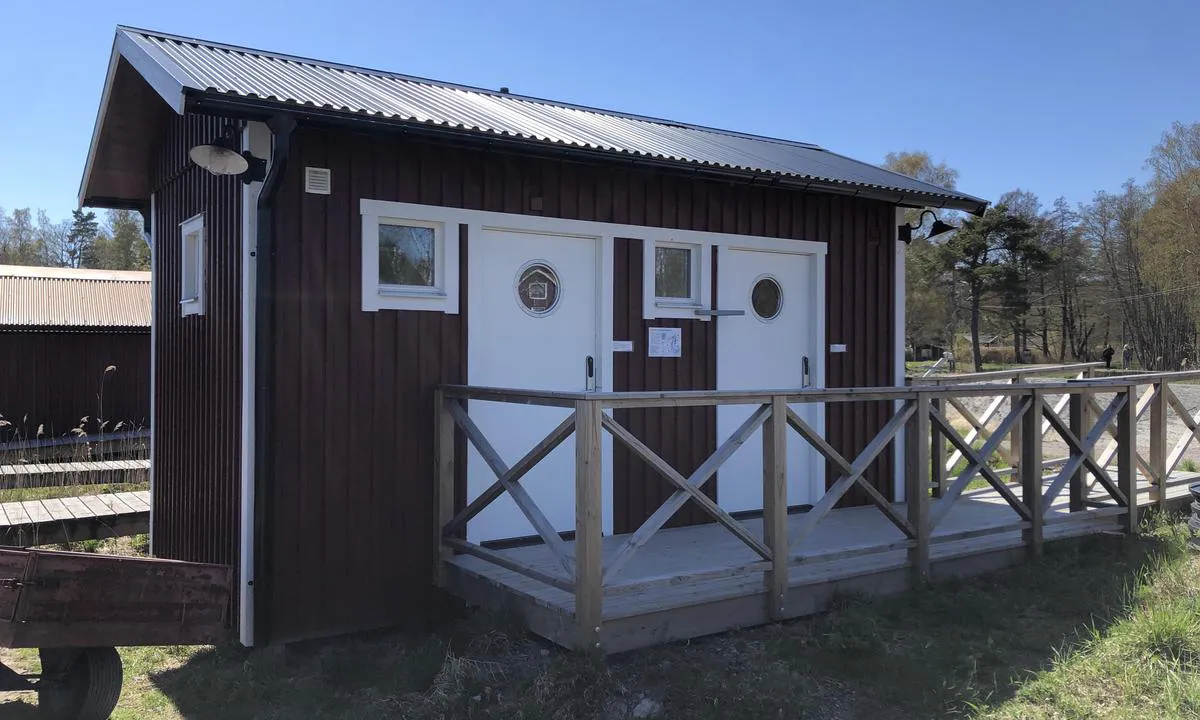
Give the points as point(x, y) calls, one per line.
point(42, 522)
point(655, 585)
point(677, 587)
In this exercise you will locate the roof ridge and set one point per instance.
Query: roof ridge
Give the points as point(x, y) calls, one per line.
point(467, 88)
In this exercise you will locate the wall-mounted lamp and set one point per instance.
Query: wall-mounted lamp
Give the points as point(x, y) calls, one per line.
point(938, 227)
point(222, 157)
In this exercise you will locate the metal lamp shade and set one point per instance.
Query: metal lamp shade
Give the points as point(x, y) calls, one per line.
point(218, 159)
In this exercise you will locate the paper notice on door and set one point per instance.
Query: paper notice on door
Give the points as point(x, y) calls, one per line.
point(622, 346)
point(666, 342)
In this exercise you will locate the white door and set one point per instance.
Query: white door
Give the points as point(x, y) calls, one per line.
point(773, 345)
point(532, 324)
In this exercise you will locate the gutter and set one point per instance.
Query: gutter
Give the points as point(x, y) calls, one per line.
point(281, 127)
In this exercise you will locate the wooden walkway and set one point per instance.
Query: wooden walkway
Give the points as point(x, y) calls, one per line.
point(74, 473)
point(54, 520)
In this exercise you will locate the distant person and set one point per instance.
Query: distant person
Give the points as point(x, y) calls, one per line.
point(949, 358)
point(1184, 364)
point(1126, 357)
point(1108, 356)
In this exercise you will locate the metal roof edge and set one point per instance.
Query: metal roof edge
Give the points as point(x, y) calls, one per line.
point(934, 189)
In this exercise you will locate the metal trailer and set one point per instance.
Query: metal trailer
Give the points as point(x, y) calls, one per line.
point(77, 608)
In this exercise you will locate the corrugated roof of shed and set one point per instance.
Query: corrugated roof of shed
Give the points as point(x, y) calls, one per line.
point(187, 65)
point(43, 297)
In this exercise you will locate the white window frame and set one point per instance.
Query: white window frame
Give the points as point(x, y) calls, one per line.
point(443, 296)
point(192, 303)
point(655, 307)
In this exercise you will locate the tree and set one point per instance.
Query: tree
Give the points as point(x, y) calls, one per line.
point(121, 246)
point(993, 254)
point(79, 246)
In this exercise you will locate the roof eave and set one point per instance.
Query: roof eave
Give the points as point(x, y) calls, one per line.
point(154, 71)
point(261, 108)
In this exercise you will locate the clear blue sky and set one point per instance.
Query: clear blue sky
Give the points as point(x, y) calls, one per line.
point(1061, 98)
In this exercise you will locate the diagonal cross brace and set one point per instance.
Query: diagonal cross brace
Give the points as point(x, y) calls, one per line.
point(847, 468)
point(685, 489)
point(520, 496)
point(1081, 453)
point(986, 470)
point(853, 474)
point(515, 473)
point(974, 467)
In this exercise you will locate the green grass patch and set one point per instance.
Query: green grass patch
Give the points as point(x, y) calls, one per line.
point(1103, 627)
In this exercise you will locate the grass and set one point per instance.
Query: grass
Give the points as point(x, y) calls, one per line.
point(60, 491)
point(1104, 627)
point(1188, 465)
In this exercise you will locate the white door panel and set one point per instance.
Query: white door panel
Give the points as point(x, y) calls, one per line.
point(535, 335)
point(766, 349)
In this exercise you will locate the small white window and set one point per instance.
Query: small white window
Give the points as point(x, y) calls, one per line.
point(675, 279)
point(191, 271)
point(408, 263)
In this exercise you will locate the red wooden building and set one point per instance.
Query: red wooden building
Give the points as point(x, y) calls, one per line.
point(387, 234)
point(61, 329)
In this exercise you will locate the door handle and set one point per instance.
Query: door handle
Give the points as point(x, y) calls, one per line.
point(807, 378)
point(589, 366)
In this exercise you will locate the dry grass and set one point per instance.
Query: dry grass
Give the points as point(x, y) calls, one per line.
point(1105, 627)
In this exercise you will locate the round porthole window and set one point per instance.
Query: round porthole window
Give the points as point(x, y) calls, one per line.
point(766, 298)
point(537, 288)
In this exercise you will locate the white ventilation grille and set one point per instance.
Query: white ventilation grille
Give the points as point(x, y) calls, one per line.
point(316, 180)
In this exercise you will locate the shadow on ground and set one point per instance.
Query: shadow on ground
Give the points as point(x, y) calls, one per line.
point(936, 652)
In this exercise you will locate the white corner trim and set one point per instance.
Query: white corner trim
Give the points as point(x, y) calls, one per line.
point(256, 138)
point(898, 320)
point(153, 337)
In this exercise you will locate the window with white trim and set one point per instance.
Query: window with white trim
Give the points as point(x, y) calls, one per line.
point(191, 266)
point(409, 263)
point(675, 277)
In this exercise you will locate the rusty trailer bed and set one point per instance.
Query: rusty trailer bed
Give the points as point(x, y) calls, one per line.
point(52, 599)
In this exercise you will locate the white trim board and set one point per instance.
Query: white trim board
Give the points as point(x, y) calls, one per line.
point(585, 228)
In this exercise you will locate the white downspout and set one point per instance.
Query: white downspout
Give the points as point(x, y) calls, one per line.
point(256, 138)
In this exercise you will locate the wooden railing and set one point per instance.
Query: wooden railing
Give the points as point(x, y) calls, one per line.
point(590, 574)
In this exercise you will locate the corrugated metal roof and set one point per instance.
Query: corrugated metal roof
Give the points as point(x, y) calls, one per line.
point(65, 297)
point(224, 70)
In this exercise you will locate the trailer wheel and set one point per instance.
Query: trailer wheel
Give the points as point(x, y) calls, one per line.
point(84, 684)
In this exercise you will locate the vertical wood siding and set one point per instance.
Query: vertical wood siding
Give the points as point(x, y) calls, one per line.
point(684, 437)
point(53, 379)
point(197, 408)
point(353, 517)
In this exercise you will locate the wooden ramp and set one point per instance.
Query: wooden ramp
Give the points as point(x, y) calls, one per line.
point(43, 522)
point(74, 473)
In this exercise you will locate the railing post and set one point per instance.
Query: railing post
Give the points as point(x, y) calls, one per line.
point(1015, 444)
point(1078, 491)
point(1126, 452)
point(774, 449)
point(917, 491)
point(1158, 445)
point(444, 441)
point(1089, 421)
point(937, 451)
point(589, 554)
point(1031, 479)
